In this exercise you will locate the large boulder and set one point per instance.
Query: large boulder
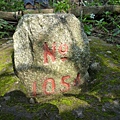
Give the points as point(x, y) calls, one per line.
point(51, 53)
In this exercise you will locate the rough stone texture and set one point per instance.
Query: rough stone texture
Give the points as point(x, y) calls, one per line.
point(51, 53)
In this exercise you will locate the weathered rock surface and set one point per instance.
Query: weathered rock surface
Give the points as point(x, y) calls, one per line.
point(51, 53)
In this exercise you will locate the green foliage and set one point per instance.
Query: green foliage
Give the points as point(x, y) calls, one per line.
point(106, 23)
point(11, 5)
point(112, 21)
point(101, 2)
point(87, 21)
point(101, 24)
point(88, 29)
point(62, 6)
point(114, 2)
point(5, 28)
point(118, 46)
point(94, 3)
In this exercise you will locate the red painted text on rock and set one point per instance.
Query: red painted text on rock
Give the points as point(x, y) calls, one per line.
point(52, 85)
point(63, 49)
point(44, 87)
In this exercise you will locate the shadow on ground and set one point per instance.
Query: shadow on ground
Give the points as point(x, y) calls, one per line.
point(16, 106)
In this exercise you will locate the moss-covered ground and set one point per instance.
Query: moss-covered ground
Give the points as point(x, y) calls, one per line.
point(7, 78)
point(103, 88)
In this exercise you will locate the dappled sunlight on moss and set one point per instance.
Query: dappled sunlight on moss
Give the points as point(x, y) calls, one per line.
point(6, 83)
point(7, 77)
point(109, 63)
point(69, 103)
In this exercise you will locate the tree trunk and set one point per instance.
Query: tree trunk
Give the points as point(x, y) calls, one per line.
point(85, 10)
point(15, 16)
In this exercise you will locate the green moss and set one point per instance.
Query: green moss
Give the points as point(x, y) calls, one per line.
point(106, 99)
point(89, 97)
point(109, 114)
point(6, 116)
point(68, 103)
point(109, 62)
point(65, 101)
point(67, 115)
point(7, 78)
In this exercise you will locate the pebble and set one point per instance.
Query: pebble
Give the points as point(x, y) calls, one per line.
point(92, 82)
point(95, 66)
point(103, 109)
point(89, 40)
point(78, 113)
point(32, 101)
point(109, 52)
point(10, 41)
point(116, 103)
point(7, 98)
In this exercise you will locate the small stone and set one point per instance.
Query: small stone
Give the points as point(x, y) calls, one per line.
point(7, 98)
point(116, 103)
point(109, 52)
point(78, 113)
point(95, 66)
point(10, 41)
point(16, 82)
point(92, 82)
point(32, 101)
point(105, 55)
point(90, 40)
point(103, 109)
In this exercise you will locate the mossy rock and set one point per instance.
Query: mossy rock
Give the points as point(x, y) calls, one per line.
point(95, 100)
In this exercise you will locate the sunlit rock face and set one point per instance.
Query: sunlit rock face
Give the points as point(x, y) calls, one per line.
point(51, 53)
